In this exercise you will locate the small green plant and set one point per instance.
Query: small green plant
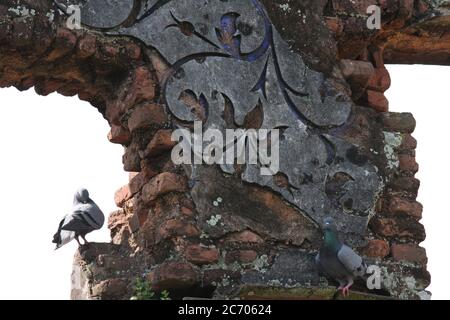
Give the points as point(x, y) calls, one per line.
point(143, 291)
point(165, 295)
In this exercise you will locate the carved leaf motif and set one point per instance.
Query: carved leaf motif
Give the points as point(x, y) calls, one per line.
point(254, 118)
point(198, 106)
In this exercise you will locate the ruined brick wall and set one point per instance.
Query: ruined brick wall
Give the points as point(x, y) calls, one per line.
point(221, 236)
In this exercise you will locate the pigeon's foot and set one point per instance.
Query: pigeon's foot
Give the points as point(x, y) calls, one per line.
point(78, 241)
point(346, 290)
point(84, 239)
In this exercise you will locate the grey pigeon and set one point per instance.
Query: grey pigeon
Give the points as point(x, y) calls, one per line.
point(338, 261)
point(85, 217)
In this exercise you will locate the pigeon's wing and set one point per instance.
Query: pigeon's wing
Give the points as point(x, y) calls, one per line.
point(57, 235)
point(351, 261)
point(78, 221)
point(91, 213)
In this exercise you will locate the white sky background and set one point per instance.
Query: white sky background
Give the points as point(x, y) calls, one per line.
point(53, 145)
point(424, 91)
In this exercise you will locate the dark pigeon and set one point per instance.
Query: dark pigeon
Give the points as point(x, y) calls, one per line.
point(338, 261)
point(85, 217)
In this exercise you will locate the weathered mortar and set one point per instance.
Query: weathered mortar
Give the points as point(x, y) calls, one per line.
point(215, 233)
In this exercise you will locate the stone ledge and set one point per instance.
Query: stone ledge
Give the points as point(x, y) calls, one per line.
point(303, 293)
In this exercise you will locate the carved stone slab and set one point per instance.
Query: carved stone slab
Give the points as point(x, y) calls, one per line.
point(227, 56)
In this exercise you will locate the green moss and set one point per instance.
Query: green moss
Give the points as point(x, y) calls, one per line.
point(261, 263)
point(214, 220)
point(143, 291)
point(392, 142)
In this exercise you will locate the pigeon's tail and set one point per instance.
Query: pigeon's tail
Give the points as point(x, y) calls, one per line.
point(62, 237)
point(57, 240)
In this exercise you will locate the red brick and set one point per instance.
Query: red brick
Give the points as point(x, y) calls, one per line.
point(335, 25)
point(246, 237)
point(114, 111)
point(132, 175)
point(377, 101)
point(376, 249)
point(161, 142)
point(110, 49)
point(119, 135)
point(398, 228)
point(187, 211)
point(409, 184)
point(241, 256)
point(408, 143)
point(116, 220)
point(164, 183)
point(87, 95)
point(146, 116)
point(139, 180)
point(133, 51)
point(401, 206)
point(47, 86)
point(422, 7)
point(87, 46)
point(380, 80)
point(406, 9)
point(26, 84)
point(398, 122)
point(64, 43)
point(133, 223)
point(138, 88)
point(200, 255)
point(131, 159)
point(160, 65)
point(110, 289)
point(143, 88)
point(173, 275)
point(408, 163)
point(409, 252)
point(175, 227)
point(122, 195)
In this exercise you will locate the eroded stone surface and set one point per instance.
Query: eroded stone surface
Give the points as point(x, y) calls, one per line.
point(257, 66)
